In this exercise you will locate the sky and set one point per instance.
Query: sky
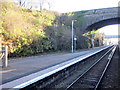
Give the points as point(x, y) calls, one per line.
point(63, 6)
point(110, 30)
point(78, 5)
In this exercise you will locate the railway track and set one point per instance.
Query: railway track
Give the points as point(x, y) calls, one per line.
point(61, 83)
point(92, 77)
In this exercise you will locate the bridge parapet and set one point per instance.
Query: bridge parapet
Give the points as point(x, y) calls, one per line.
point(102, 11)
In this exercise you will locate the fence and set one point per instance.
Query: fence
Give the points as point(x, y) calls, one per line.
point(4, 56)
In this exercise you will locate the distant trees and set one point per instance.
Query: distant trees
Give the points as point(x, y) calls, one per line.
point(98, 38)
point(42, 4)
point(45, 4)
point(35, 4)
point(21, 2)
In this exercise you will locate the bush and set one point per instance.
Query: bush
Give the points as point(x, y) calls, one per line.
point(23, 29)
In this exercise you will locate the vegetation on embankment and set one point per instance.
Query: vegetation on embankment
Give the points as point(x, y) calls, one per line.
point(29, 32)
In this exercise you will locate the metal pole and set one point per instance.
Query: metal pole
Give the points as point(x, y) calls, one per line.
point(72, 35)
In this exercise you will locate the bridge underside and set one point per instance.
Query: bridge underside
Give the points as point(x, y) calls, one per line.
point(103, 23)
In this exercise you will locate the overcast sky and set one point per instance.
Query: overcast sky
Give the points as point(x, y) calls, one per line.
point(77, 5)
point(110, 30)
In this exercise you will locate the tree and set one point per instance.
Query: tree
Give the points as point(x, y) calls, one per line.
point(21, 2)
point(49, 5)
point(43, 2)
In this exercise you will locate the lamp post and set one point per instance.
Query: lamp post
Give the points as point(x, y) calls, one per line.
point(73, 35)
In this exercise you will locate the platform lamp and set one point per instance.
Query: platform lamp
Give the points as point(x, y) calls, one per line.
point(73, 35)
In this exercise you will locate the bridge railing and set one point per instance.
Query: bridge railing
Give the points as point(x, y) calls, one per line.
point(4, 56)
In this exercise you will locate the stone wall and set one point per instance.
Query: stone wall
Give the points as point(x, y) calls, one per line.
point(98, 15)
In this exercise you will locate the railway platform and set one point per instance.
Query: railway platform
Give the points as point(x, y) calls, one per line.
point(21, 67)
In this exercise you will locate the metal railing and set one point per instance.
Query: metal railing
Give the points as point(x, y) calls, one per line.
point(4, 56)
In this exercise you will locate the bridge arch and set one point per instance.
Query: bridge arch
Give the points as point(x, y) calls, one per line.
point(98, 18)
point(103, 23)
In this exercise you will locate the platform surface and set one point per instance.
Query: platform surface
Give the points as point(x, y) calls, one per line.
point(21, 67)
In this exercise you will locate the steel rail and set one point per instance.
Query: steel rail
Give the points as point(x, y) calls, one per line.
point(106, 67)
point(88, 69)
